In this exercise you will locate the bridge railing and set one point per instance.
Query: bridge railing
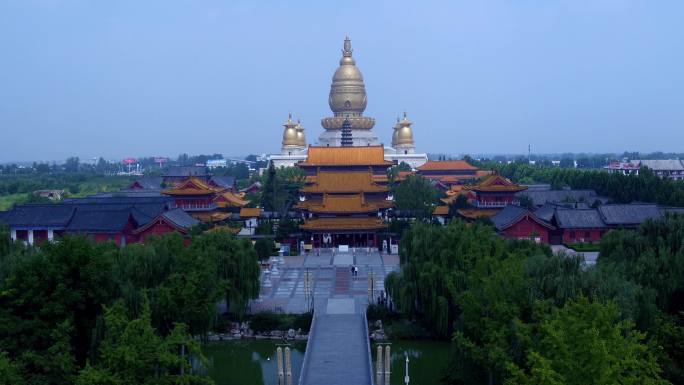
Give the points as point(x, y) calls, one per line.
point(307, 351)
point(368, 349)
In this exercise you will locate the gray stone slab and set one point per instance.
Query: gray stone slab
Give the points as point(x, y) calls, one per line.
point(338, 352)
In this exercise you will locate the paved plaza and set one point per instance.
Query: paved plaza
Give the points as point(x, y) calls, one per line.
point(283, 287)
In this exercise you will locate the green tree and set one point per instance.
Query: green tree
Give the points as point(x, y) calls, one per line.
point(264, 247)
point(280, 188)
point(9, 373)
point(415, 194)
point(236, 264)
point(132, 353)
point(587, 343)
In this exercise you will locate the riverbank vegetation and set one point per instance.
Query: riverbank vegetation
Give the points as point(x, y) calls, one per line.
point(518, 314)
point(75, 311)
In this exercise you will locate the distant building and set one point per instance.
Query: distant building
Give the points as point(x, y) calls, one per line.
point(559, 224)
point(122, 220)
point(348, 126)
point(664, 168)
point(450, 172)
point(176, 174)
point(215, 163)
point(206, 201)
point(53, 195)
point(346, 197)
point(625, 168)
point(669, 168)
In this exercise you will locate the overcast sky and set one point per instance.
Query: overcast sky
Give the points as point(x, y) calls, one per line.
point(133, 78)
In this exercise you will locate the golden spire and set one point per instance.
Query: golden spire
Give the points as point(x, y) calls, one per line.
point(404, 132)
point(290, 133)
point(348, 91)
point(301, 138)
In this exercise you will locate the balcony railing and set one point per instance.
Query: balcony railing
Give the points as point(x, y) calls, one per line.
point(484, 205)
point(196, 207)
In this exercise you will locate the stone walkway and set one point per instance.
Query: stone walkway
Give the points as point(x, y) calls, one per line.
point(338, 347)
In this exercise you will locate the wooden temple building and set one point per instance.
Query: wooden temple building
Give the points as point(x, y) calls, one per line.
point(448, 173)
point(345, 197)
point(485, 198)
point(206, 201)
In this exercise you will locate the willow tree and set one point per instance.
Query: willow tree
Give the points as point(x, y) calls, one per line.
point(236, 264)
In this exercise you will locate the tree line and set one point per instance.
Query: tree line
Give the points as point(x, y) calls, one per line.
point(518, 314)
point(74, 311)
point(645, 187)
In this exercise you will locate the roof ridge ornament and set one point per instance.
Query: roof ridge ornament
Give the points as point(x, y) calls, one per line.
point(347, 49)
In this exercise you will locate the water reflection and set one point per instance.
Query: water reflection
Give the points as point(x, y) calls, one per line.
point(427, 361)
point(249, 362)
point(253, 362)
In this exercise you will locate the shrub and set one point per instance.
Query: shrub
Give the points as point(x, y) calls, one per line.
point(265, 322)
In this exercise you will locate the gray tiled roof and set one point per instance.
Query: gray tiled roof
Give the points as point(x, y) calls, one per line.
point(224, 181)
point(149, 182)
point(186, 171)
point(546, 211)
point(662, 165)
point(127, 193)
point(99, 220)
point(121, 199)
point(40, 215)
point(629, 214)
point(539, 197)
point(579, 219)
point(3, 214)
point(180, 218)
point(100, 214)
point(538, 187)
point(663, 210)
point(511, 214)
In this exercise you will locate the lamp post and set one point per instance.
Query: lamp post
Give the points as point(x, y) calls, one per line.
point(406, 377)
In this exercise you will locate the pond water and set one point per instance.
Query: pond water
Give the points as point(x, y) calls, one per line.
point(249, 362)
point(252, 362)
point(427, 361)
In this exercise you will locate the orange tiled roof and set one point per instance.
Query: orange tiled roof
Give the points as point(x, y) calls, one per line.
point(192, 186)
point(249, 212)
point(230, 199)
point(346, 156)
point(369, 223)
point(441, 210)
point(477, 213)
point(446, 165)
point(211, 216)
point(229, 229)
point(496, 183)
point(344, 181)
point(343, 204)
point(380, 178)
point(450, 178)
point(401, 175)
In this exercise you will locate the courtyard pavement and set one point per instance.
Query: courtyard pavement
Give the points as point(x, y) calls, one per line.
point(283, 287)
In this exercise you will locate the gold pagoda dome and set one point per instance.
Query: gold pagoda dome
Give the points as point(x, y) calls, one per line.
point(395, 133)
point(301, 138)
point(290, 133)
point(347, 91)
point(404, 132)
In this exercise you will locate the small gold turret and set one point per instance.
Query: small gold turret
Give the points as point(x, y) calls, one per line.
point(404, 132)
point(290, 133)
point(395, 133)
point(301, 138)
